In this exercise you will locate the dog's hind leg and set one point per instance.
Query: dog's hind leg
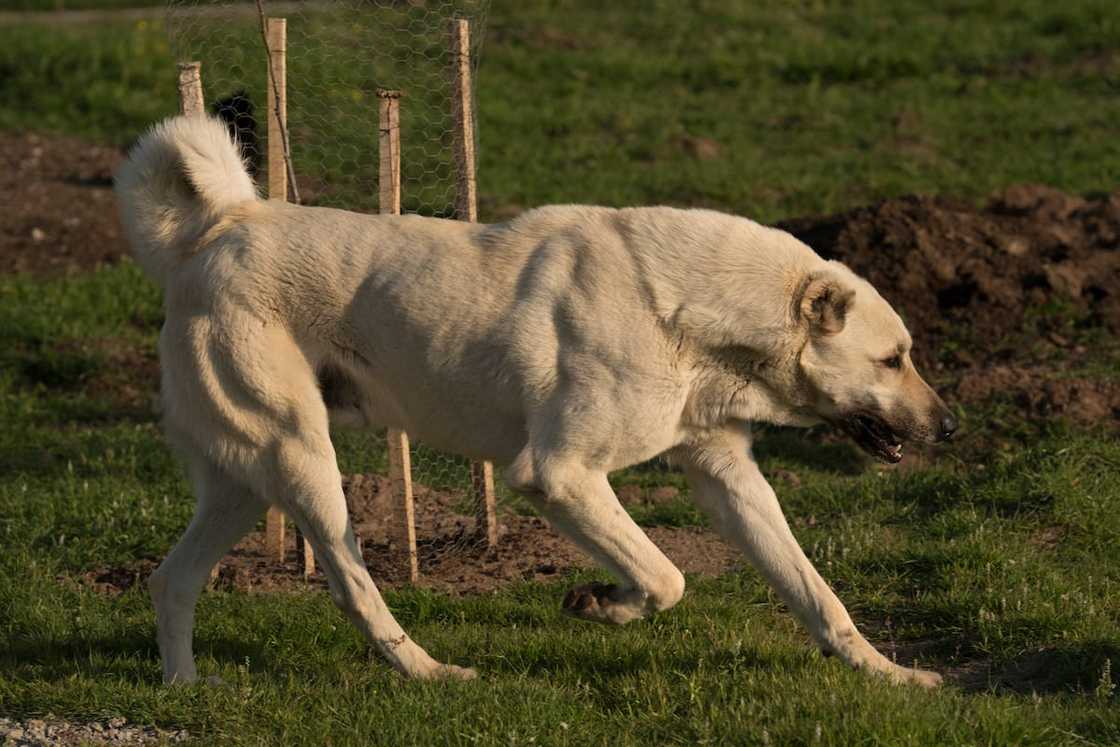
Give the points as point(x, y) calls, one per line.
point(225, 512)
point(307, 484)
point(728, 485)
point(581, 505)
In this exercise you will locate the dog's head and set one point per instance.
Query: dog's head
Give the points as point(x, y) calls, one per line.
point(856, 366)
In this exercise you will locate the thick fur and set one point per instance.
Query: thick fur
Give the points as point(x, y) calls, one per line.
point(565, 344)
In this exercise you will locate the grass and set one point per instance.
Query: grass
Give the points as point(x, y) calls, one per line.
point(1002, 568)
point(814, 107)
point(997, 563)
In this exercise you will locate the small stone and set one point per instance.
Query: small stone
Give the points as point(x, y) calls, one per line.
point(38, 234)
point(116, 722)
point(1016, 246)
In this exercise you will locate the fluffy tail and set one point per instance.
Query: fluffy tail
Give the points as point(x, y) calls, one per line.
point(179, 180)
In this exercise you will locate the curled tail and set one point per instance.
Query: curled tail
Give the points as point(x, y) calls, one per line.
point(181, 177)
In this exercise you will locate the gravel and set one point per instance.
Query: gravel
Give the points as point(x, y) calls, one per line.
point(50, 731)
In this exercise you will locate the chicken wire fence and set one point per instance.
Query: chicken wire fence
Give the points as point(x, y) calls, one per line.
point(342, 56)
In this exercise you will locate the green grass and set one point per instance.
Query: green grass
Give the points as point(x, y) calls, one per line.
point(1000, 566)
point(998, 563)
point(815, 106)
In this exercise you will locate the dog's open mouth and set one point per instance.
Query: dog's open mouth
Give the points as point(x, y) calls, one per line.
point(875, 437)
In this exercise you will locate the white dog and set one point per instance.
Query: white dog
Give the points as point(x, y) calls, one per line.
point(565, 344)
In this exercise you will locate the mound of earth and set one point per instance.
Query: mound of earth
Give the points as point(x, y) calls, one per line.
point(453, 557)
point(990, 294)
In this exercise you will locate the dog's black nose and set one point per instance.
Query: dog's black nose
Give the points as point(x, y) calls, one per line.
point(948, 426)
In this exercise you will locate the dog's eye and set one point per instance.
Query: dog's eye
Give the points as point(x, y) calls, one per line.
point(895, 361)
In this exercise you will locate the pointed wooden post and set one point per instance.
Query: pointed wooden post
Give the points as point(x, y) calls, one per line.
point(190, 88)
point(192, 104)
point(466, 208)
point(276, 34)
point(389, 203)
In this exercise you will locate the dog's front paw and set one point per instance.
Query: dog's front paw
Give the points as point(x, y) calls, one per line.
point(592, 601)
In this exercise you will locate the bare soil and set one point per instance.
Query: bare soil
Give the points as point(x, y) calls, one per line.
point(453, 557)
point(59, 214)
point(996, 297)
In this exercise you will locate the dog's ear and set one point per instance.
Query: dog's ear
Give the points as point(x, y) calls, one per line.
point(825, 302)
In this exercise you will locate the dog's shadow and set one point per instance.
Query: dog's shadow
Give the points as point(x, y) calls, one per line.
point(1083, 669)
point(126, 657)
point(815, 449)
point(1077, 669)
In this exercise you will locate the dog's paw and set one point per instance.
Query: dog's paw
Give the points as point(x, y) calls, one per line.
point(592, 601)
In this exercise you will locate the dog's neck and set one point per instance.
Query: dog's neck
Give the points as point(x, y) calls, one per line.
point(738, 322)
point(727, 287)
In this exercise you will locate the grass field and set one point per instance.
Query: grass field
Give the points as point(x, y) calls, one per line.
point(997, 564)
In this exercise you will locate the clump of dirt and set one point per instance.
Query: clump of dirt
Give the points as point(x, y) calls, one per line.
point(453, 557)
point(988, 292)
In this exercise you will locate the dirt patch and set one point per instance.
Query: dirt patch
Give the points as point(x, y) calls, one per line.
point(59, 213)
point(1038, 392)
point(452, 557)
point(996, 296)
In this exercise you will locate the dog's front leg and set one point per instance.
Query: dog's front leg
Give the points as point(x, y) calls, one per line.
point(580, 504)
point(728, 485)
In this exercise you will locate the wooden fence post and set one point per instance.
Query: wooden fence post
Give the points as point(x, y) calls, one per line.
point(276, 83)
point(190, 88)
point(466, 208)
point(389, 203)
point(192, 104)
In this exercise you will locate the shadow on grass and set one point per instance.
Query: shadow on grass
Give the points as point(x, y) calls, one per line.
point(1078, 669)
point(127, 656)
point(1072, 669)
point(811, 449)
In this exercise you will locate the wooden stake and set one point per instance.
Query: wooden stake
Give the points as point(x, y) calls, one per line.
point(389, 203)
point(466, 208)
point(190, 88)
point(389, 152)
point(400, 477)
point(192, 104)
point(466, 203)
point(277, 87)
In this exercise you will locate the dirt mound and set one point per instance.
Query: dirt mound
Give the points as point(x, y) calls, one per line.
point(992, 293)
point(948, 266)
point(452, 557)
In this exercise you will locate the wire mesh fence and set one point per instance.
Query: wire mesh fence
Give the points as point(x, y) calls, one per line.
point(341, 57)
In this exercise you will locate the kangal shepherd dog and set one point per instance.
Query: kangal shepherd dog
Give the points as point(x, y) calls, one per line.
point(562, 345)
